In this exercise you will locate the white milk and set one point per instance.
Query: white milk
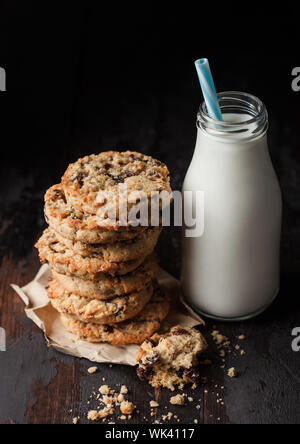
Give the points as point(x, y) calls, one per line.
point(232, 271)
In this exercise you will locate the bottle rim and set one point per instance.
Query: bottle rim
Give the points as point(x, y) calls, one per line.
point(236, 102)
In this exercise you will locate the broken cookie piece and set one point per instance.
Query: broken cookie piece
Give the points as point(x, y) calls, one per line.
point(171, 359)
point(94, 415)
point(127, 407)
point(232, 373)
point(177, 400)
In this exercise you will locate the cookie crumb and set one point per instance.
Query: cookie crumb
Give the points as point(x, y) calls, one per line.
point(154, 404)
point(104, 390)
point(124, 390)
point(195, 421)
point(232, 373)
point(108, 400)
point(92, 370)
point(242, 337)
point(218, 337)
point(190, 399)
point(177, 400)
point(120, 397)
point(94, 415)
point(75, 421)
point(127, 407)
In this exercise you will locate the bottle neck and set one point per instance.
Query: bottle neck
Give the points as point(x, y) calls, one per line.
point(245, 118)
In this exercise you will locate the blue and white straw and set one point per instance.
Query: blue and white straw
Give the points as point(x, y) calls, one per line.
point(208, 89)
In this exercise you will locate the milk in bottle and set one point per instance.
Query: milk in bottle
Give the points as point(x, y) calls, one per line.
point(232, 270)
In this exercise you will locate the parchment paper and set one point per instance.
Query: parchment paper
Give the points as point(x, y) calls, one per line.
point(40, 311)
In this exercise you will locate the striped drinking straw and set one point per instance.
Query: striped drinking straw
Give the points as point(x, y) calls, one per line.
point(208, 89)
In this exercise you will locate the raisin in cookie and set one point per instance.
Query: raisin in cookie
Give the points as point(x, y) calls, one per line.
point(134, 331)
point(66, 261)
point(108, 286)
point(84, 179)
point(121, 251)
point(78, 226)
point(114, 310)
point(170, 359)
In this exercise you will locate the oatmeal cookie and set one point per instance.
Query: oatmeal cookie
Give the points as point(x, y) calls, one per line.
point(85, 178)
point(171, 359)
point(78, 226)
point(121, 251)
point(114, 310)
point(108, 286)
point(134, 331)
point(66, 261)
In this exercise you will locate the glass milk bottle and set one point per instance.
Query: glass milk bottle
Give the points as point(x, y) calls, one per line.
point(231, 272)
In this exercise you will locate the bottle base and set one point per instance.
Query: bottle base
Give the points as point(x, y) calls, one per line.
point(234, 319)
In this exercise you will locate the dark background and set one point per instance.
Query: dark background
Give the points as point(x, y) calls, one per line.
point(83, 78)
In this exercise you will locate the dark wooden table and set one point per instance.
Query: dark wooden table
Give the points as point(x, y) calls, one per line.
point(66, 98)
point(41, 385)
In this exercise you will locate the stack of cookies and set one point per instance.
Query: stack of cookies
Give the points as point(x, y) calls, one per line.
point(103, 271)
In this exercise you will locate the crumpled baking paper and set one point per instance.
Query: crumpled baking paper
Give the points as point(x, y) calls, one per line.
point(41, 312)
